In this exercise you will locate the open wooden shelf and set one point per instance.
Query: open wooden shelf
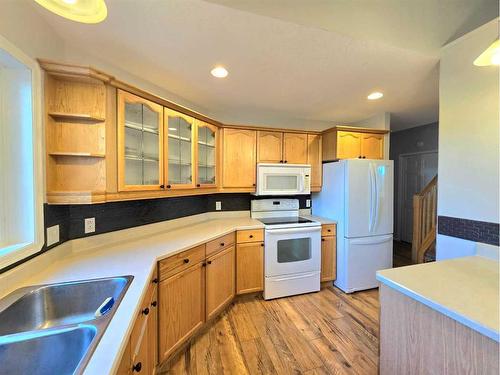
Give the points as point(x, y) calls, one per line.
point(80, 154)
point(60, 116)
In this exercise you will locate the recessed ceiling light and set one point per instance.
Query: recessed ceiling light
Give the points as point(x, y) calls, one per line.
point(375, 95)
point(85, 11)
point(219, 72)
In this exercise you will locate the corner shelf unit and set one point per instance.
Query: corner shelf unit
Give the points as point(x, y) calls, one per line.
point(75, 121)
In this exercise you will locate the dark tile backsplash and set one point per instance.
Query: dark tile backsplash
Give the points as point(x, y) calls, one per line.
point(122, 215)
point(472, 230)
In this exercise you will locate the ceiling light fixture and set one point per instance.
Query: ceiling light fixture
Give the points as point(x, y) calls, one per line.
point(375, 95)
point(219, 72)
point(491, 56)
point(85, 11)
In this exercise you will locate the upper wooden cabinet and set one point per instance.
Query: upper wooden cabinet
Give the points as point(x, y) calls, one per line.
point(269, 147)
point(207, 141)
point(239, 159)
point(295, 148)
point(349, 143)
point(140, 143)
point(314, 159)
point(180, 150)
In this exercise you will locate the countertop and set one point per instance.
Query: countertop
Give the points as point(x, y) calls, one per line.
point(464, 289)
point(135, 252)
point(137, 258)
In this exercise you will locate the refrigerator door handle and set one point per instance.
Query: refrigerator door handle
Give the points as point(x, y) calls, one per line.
point(377, 196)
point(371, 240)
point(371, 178)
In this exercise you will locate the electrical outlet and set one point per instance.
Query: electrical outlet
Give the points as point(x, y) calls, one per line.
point(218, 206)
point(90, 225)
point(308, 203)
point(52, 235)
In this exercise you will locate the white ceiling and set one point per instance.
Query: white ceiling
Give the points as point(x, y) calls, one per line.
point(290, 61)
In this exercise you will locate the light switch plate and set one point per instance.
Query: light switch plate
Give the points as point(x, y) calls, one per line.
point(52, 235)
point(90, 225)
point(308, 203)
point(218, 206)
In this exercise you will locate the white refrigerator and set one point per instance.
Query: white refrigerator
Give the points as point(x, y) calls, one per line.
point(358, 194)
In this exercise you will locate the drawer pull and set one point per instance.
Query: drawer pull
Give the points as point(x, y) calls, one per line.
point(251, 236)
point(146, 311)
point(137, 367)
point(328, 230)
point(222, 243)
point(209, 262)
point(186, 260)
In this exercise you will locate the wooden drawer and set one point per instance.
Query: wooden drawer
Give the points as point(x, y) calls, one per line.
point(177, 263)
point(220, 243)
point(250, 235)
point(328, 230)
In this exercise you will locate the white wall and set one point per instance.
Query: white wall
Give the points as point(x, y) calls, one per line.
point(468, 182)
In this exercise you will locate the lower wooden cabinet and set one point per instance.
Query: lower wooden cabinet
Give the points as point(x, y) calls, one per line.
point(328, 258)
point(181, 308)
point(249, 267)
point(219, 281)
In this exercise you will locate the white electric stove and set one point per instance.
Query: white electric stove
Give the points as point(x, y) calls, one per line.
point(292, 260)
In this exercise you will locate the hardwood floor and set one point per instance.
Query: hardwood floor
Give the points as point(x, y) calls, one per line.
point(328, 332)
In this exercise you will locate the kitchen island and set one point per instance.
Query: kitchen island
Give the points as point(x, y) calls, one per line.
point(440, 317)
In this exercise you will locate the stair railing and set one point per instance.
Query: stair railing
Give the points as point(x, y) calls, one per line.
point(424, 220)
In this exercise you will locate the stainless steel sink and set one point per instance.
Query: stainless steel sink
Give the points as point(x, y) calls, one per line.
point(54, 328)
point(46, 352)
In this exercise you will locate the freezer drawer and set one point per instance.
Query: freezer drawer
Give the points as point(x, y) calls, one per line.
point(358, 260)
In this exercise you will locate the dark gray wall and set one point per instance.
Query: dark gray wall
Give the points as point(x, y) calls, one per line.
point(418, 139)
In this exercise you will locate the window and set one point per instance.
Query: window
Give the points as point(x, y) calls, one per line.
point(21, 182)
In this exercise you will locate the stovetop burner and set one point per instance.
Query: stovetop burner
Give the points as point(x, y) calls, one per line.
point(285, 220)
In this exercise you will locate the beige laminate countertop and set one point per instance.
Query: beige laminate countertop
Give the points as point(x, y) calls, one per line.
point(129, 257)
point(465, 289)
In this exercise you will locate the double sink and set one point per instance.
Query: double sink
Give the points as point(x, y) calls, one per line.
point(54, 328)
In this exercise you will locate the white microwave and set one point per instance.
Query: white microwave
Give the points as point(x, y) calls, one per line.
point(283, 179)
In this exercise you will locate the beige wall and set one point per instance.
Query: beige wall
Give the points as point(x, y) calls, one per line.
point(468, 182)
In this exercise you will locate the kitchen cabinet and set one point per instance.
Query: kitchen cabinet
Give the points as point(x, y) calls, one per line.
point(206, 143)
point(220, 272)
point(180, 168)
point(239, 158)
point(140, 143)
point(249, 261)
point(314, 159)
point(328, 252)
point(181, 308)
point(349, 143)
point(295, 148)
point(269, 147)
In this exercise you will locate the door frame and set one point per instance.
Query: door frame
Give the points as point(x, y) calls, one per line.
point(400, 185)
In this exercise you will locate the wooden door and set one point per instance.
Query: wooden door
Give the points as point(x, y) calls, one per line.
point(206, 154)
point(140, 359)
point(239, 158)
point(314, 158)
point(182, 308)
point(180, 150)
point(125, 367)
point(219, 281)
point(295, 148)
point(269, 147)
point(372, 146)
point(348, 145)
point(249, 267)
point(328, 258)
point(140, 143)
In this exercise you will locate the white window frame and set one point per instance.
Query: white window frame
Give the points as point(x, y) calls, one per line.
point(20, 251)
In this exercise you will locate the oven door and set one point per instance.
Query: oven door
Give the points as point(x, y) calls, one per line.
point(283, 180)
point(292, 250)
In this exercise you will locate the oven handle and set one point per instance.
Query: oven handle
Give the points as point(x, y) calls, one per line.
point(302, 276)
point(294, 230)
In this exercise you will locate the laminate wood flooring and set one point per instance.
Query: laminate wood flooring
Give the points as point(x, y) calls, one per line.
point(328, 332)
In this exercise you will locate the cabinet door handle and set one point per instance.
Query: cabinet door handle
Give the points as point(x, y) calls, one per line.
point(203, 264)
point(186, 260)
point(281, 161)
point(154, 303)
point(253, 184)
point(198, 185)
point(155, 280)
point(251, 236)
point(359, 157)
point(162, 186)
point(209, 262)
point(286, 161)
point(137, 367)
point(169, 186)
point(323, 239)
point(364, 157)
point(261, 245)
point(146, 311)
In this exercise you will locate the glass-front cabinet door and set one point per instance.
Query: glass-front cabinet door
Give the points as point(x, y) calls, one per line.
point(207, 155)
point(180, 150)
point(140, 143)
